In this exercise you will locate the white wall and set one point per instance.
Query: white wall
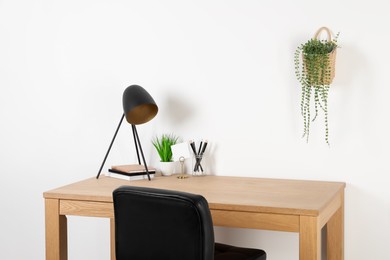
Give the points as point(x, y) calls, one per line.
point(221, 70)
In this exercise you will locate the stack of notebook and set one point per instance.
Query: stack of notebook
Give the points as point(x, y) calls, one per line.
point(131, 172)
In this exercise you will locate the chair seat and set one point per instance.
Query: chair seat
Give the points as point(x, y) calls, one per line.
point(228, 252)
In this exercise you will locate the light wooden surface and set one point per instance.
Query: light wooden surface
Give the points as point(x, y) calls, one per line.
point(56, 231)
point(271, 204)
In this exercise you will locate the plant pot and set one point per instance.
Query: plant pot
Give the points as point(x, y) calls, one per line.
point(325, 75)
point(167, 168)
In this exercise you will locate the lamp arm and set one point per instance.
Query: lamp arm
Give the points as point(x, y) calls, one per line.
point(135, 142)
point(109, 148)
point(140, 149)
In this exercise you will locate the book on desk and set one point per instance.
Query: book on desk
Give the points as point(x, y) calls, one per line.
point(130, 172)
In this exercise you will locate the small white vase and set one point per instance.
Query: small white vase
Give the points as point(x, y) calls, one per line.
point(167, 168)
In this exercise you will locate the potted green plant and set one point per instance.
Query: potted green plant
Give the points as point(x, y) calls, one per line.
point(315, 70)
point(163, 147)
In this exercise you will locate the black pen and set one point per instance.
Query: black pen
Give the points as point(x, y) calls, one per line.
point(200, 156)
point(193, 146)
point(200, 147)
point(204, 147)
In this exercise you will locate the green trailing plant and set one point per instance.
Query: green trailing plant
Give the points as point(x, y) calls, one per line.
point(313, 70)
point(163, 146)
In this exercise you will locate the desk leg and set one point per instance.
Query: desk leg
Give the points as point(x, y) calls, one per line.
point(309, 239)
point(112, 238)
point(56, 231)
point(335, 234)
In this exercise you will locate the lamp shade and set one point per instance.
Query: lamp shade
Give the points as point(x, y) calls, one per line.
point(138, 105)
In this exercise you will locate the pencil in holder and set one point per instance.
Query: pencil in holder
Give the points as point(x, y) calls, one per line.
point(199, 164)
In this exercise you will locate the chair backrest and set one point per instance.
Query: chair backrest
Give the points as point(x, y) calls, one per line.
point(162, 224)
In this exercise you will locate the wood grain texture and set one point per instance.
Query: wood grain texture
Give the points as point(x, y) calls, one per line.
point(224, 193)
point(263, 221)
point(56, 231)
point(330, 209)
point(271, 204)
point(112, 239)
point(87, 208)
point(309, 239)
point(335, 231)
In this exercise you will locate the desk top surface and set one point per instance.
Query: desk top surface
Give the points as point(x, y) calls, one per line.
point(279, 196)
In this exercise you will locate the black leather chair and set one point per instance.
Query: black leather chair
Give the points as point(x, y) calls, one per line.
point(156, 224)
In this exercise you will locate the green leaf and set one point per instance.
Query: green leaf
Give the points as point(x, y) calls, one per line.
point(163, 146)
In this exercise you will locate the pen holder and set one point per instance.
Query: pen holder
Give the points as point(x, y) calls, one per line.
point(199, 165)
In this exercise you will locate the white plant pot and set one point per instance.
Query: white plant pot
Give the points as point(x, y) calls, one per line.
point(167, 168)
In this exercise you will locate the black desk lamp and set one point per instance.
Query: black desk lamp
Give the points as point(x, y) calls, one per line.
point(139, 108)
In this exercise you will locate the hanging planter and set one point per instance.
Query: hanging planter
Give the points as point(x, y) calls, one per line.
point(315, 63)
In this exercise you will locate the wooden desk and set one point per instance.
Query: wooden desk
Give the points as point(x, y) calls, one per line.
point(270, 204)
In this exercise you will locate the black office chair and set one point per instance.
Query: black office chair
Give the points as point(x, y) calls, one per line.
point(156, 224)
